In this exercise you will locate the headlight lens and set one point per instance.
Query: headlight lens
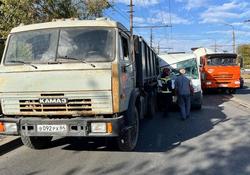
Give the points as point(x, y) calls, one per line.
point(237, 82)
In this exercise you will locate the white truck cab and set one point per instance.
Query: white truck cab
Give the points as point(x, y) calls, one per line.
point(75, 78)
point(188, 61)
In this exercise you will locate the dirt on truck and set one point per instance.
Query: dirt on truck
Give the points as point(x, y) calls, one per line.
point(76, 78)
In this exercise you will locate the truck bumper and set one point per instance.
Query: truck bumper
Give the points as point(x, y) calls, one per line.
point(71, 127)
point(229, 84)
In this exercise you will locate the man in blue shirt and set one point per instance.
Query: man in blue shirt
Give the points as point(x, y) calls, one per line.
point(183, 89)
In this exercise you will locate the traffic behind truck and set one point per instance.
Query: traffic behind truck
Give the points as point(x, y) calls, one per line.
point(175, 61)
point(218, 70)
point(76, 78)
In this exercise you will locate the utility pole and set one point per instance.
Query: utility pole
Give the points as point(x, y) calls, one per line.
point(131, 16)
point(131, 11)
point(233, 35)
point(233, 41)
point(215, 46)
point(151, 31)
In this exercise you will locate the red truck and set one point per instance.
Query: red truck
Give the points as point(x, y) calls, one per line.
point(218, 70)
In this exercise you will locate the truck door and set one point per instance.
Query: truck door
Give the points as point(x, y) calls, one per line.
point(127, 78)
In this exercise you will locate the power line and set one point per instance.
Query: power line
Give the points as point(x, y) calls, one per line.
point(118, 11)
point(151, 30)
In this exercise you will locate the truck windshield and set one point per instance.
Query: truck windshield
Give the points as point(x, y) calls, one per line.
point(190, 66)
point(34, 46)
point(221, 61)
point(88, 44)
point(43, 46)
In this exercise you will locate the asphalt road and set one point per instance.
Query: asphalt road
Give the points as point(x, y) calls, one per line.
point(244, 93)
point(214, 141)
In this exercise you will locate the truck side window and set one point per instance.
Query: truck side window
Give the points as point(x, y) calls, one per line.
point(125, 48)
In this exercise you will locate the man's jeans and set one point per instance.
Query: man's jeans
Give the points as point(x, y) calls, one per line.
point(184, 102)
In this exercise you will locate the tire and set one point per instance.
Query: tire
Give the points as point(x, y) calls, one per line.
point(233, 91)
point(128, 139)
point(34, 142)
point(197, 106)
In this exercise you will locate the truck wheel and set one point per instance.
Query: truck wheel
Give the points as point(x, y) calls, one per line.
point(232, 91)
point(128, 139)
point(197, 106)
point(34, 142)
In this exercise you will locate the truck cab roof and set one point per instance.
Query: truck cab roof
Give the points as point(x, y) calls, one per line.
point(174, 58)
point(99, 22)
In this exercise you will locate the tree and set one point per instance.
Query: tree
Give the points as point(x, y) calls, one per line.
point(244, 52)
point(95, 7)
point(15, 12)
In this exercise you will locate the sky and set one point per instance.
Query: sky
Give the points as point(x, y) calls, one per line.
point(195, 23)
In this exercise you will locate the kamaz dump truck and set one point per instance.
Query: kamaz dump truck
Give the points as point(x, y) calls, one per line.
point(85, 78)
point(218, 70)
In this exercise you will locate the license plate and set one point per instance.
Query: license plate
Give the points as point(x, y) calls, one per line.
point(223, 85)
point(51, 128)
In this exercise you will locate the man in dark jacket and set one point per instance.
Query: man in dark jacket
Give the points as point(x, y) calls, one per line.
point(183, 89)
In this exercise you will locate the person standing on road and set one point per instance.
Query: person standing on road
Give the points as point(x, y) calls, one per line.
point(184, 90)
point(166, 91)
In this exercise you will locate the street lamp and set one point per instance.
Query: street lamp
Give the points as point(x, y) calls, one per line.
point(233, 35)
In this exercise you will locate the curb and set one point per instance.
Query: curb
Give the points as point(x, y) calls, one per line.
point(9, 143)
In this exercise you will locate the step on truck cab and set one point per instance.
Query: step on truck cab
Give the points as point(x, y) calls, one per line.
point(76, 78)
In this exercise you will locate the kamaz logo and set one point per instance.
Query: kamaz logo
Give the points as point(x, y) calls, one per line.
point(53, 101)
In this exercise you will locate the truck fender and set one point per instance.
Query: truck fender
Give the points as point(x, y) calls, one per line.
point(131, 107)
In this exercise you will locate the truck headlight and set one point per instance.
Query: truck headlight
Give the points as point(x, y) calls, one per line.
point(9, 127)
point(237, 82)
point(208, 83)
point(98, 127)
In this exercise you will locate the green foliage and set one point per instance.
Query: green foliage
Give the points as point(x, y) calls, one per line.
point(95, 7)
point(15, 12)
point(244, 51)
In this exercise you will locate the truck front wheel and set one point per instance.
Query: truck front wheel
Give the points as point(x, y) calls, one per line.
point(34, 142)
point(128, 139)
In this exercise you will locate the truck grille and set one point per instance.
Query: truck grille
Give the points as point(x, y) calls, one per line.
point(223, 76)
point(71, 106)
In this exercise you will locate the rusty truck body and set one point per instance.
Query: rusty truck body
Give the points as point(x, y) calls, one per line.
point(76, 78)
